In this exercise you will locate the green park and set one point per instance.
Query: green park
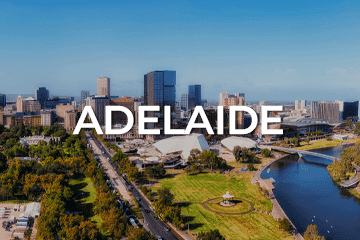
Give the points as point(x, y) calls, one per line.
point(199, 195)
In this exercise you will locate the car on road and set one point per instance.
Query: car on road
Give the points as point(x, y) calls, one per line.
point(138, 199)
point(167, 229)
point(147, 210)
point(159, 238)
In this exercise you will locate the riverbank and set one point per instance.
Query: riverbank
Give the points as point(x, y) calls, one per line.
point(277, 211)
point(323, 143)
point(300, 180)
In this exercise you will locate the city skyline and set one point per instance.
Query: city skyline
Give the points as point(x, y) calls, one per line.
point(300, 50)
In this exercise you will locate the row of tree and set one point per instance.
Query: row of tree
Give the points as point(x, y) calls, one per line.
point(348, 156)
point(206, 159)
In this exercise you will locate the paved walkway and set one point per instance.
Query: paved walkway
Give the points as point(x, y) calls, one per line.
point(204, 204)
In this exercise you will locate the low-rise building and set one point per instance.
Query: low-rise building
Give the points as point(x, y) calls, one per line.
point(26, 141)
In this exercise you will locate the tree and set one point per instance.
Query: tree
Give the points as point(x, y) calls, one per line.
point(266, 152)
point(212, 235)
point(244, 154)
point(357, 128)
point(165, 196)
point(312, 233)
point(3, 164)
point(2, 128)
point(251, 167)
point(295, 141)
point(285, 225)
point(173, 214)
point(138, 234)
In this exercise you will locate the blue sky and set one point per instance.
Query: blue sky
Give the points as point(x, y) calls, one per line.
point(270, 50)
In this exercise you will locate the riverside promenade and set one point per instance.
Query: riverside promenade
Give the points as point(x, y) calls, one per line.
point(277, 212)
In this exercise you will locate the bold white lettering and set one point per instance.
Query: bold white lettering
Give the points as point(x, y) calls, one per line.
point(265, 120)
point(94, 122)
point(108, 114)
point(205, 124)
point(220, 120)
point(143, 120)
point(167, 122)
point(232, 119)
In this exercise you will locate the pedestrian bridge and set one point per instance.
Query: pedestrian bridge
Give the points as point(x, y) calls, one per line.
point(352, 182)
point(300, 152)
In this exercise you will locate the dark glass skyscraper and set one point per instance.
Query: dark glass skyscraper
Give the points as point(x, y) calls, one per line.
point(159, 88)
point(194, 96)
point(41, 95)
point(351, 110)
point(2, 100)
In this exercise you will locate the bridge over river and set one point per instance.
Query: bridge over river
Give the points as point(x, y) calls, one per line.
point(347, 183)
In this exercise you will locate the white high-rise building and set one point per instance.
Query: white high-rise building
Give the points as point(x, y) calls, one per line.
point(222, 98)
point(300, 104)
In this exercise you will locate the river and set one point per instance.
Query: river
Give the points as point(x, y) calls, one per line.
point(307, 194)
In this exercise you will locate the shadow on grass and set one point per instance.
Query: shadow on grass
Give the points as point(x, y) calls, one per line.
point(182, 204)
point(79, 204)
point(236, 201)
point(172, 175)
point(76, 188)
point(194, 226)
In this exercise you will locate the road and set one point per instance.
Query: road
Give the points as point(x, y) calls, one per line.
point(109, 169)
point(156, 227)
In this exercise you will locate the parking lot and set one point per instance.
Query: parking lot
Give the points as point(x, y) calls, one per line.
point(4, 234)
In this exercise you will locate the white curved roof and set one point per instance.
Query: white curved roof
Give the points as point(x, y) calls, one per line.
point(182, 144)
point(231, 142)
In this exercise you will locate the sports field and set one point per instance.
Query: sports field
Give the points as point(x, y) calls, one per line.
point(193, 189)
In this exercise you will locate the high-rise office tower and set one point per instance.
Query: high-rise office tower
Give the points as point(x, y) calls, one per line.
point(98, 104)
point(223, 95)
point(349, 110)
point(325, 111)
point(2, 100)
point(84, 96)
point(300, 104)
point(103, 86)
point(41, 95)
point(238, 99)
point(159, 88)
point(194, 96)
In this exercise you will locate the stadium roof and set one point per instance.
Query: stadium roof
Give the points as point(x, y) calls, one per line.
point(231, 142)
point(183, 144)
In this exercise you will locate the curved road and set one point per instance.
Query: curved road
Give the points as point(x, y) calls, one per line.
point(156, 227)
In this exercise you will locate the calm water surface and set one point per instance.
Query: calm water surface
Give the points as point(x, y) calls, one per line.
point(308, 195)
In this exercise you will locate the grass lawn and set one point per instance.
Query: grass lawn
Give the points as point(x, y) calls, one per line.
point(201, 187)
point(322, 143)
point(84, 195)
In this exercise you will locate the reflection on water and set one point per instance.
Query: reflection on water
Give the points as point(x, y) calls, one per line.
point(308, 195)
